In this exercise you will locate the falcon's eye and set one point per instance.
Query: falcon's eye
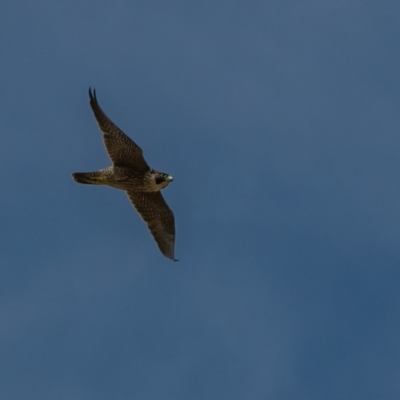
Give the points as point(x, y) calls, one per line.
point(159, 179)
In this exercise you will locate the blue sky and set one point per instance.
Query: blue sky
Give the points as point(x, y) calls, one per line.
point(279, 122)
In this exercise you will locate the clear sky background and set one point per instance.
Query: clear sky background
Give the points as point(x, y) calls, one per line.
point(280, 123)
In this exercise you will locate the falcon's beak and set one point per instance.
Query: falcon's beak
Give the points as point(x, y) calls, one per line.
point(170, 178)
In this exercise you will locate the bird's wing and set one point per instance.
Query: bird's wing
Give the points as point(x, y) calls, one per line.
point(121, 149)
point(159, 218)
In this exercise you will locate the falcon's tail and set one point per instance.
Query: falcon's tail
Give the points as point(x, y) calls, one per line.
point(91, 178)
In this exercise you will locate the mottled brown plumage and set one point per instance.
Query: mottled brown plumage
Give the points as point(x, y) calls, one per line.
point(131, 173)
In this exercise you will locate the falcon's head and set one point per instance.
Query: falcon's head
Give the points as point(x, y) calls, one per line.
point(161, 179)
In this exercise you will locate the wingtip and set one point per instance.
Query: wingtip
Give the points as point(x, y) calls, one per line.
point(171, 257)
point(92, 95)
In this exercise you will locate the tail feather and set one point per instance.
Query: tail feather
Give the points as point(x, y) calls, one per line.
point(91, 178)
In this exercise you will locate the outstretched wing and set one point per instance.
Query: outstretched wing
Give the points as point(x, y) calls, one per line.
point(159, 218)
point(121, 149)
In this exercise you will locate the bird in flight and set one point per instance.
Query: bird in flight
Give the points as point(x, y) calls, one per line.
point(131, 173)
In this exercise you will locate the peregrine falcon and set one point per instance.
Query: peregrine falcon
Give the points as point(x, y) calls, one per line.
point(131, 173)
